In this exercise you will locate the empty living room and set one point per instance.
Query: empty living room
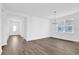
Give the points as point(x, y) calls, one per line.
point(39, 28)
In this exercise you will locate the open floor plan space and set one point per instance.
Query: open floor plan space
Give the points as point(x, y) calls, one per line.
point(39, 28)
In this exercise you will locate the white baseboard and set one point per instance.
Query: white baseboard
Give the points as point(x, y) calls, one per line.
point(36, 38)
point(68, 39)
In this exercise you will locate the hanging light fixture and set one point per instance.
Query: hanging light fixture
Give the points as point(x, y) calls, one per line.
point(54, 18)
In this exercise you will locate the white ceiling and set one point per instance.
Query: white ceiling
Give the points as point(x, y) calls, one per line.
point(43, 10)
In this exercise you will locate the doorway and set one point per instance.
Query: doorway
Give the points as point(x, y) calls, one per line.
point(13, 26)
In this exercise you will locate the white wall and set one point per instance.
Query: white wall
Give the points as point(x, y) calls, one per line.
point(0, 27)
point(37, 28)
point(68, 36)
point(0, 22)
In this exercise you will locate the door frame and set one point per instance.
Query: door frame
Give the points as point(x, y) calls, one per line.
point(5, 34)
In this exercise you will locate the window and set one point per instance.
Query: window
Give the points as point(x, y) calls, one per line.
point(68, 28)
point(14, 28)
point(65, 26)
point(60, 28)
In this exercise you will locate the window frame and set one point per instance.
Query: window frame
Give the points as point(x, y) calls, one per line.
point(64, 27)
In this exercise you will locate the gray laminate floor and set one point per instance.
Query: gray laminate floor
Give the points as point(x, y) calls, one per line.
point(51, 46)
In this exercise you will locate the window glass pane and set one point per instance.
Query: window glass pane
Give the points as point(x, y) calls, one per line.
point(68, 28)
point(14, 28)
point(60, 28)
